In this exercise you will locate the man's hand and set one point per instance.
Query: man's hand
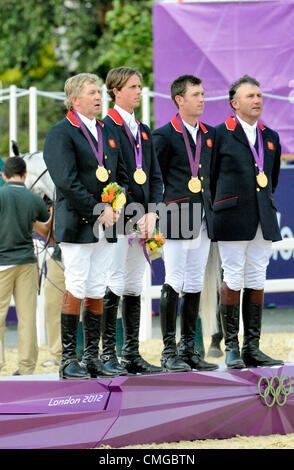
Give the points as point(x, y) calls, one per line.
point(108, 217)
point(147, 225)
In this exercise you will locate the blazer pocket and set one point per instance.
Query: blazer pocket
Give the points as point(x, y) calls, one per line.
point(225, 203)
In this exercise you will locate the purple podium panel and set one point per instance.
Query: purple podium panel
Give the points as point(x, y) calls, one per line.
point(58, 414)
point(202, 405)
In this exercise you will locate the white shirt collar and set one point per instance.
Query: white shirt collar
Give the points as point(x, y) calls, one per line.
point(250, 130)
point(89, 122)
point(192, 129)
point(91, 125)
point(245, 124)
point(125, 114)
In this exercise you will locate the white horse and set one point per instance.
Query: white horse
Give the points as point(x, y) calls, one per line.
point(38, 178)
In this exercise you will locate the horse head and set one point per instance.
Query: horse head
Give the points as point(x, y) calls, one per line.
point(38, 178)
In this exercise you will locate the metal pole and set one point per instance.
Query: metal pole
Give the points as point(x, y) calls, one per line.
point(12, 117)
point(105, 101)
point(146, 106)
point(33, 111)
point(146, 308)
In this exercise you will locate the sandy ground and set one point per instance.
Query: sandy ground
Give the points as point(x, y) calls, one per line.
point(278, 345)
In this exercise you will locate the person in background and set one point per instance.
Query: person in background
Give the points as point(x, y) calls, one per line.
point(19, 210)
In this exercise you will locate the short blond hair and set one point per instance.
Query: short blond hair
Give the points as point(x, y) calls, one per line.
point(118, 77)
point(74, 86)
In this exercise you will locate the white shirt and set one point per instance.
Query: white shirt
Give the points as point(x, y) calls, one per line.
point(91, 125)
point(193, 130)
point(129, 119)
point(249, 130)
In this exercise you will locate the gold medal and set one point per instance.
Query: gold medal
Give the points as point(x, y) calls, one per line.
point(101, 174)
point(261, 179)
point(194, 185)
point(140, 176)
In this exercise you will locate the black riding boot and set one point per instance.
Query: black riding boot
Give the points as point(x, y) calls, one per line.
point(215, 349)
point(230, 323)
point(70, 318)
point(109, 319)
point(131, 359)
point(170, 360)
point(230, 318)
point(92, 316)
point(69, 365)
point(252, 317)
point(189, 315)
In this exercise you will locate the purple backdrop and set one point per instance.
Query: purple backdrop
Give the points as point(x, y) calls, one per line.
point(220, 42)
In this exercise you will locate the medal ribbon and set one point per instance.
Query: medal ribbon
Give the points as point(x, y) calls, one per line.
point(98, 154)
point(142, 242)
point(258, 157)
point(137, 150)
point(194, 162)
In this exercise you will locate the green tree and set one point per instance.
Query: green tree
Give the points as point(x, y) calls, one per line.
point(44, 42)
point(127, 38)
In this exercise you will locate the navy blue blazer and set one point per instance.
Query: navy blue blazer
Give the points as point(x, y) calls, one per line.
point(72, 166)
point(151, 190)
point(175, 167)
point(239, 204)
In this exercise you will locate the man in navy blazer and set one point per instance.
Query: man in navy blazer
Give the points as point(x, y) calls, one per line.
point(184, 149)
point(246, 165)
point(127, 269)
point(74, 149)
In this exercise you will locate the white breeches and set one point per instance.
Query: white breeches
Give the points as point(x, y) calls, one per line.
point(127, 268)
point(244, 263)
point(85, 267)
point(185, 262)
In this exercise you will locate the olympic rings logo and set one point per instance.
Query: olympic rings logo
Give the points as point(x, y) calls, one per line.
point(274, 390)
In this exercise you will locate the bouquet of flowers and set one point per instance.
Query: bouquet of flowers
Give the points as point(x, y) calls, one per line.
point(156, 242)
point(114, 195)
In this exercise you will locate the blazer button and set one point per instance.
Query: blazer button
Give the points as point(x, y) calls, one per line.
point(257, 189)
point(105, 157)
point(200, 166)
point(202, 178)
point(109, 171)
point(202, 190)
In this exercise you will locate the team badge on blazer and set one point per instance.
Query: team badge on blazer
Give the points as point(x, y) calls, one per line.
point(145, 136)
point(270, 146)
point(112, 143)
point(209, 143)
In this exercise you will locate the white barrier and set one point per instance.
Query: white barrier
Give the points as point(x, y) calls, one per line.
point(13, 93)
point(153, 292)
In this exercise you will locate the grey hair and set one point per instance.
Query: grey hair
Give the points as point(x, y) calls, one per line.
point(234, 87)
point(74, 86)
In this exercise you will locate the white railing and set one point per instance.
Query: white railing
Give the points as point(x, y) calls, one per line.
point(13, 94)
point(153, 292)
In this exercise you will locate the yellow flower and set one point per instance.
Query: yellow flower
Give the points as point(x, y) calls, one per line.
point(119, 202)
point(153, 246)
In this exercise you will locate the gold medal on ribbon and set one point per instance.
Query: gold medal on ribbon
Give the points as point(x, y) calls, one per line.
point(140, 176)
point(101, 174)
point(194, 185)
point(261, 179)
